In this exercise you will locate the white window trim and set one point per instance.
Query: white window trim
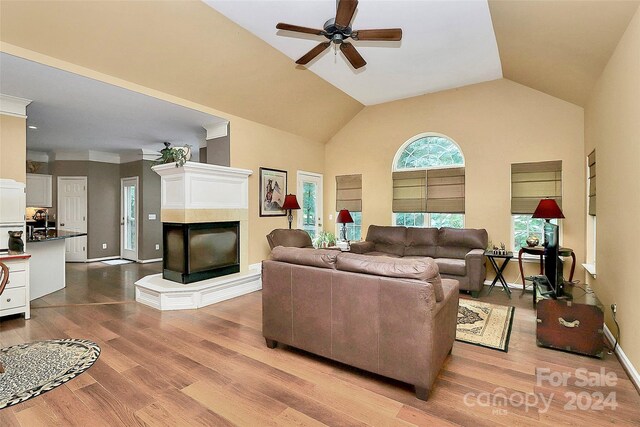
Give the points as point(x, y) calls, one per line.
point(393, 218)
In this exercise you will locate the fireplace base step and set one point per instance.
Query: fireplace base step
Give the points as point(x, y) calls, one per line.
point(163, 294)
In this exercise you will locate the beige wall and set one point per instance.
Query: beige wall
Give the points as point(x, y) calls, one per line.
point(612, 127)
point(495, 123)
point(13, 148)
point(253, 146)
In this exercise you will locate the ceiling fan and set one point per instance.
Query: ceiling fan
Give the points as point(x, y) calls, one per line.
point(338, 30)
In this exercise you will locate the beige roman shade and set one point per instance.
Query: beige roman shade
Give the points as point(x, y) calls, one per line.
point(531, 182)
point(349, 193)
point(592, 183)
point(445, 190)
point(409, 191)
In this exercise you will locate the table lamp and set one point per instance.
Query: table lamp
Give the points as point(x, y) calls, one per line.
point(344, 218)
point(548, 209)
point(290, 202)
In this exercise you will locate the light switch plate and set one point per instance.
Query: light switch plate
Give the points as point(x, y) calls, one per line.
point(152, 217)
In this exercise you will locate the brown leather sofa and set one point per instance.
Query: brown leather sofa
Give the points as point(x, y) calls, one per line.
point(393, 317)
point(289, 238)
point(459, 252)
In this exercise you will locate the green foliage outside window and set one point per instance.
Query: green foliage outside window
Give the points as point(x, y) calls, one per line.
point(430, 151)
point(436, 220)
point(525, 226)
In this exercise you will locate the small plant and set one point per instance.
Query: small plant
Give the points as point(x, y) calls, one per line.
point(324, 239)
point(179, 155)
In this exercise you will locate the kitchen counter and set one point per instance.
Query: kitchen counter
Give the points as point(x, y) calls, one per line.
point(54, 235)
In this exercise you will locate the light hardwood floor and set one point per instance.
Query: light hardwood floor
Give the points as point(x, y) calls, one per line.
point(211, 367)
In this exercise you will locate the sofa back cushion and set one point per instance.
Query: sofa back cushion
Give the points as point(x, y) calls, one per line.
point(457, 242)
point(289, 238)
point(388, 239)
point(321, 258)
point(421, 242)
point(424, 269)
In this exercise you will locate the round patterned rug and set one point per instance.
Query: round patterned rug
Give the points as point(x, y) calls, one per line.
point(37, 367)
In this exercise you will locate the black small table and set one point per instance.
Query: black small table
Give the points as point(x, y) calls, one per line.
point(492, 258)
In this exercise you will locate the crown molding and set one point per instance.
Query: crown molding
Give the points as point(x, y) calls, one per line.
point(217, 130)
point(14, 106)
point(89, 155)
point(37, 156)
point(137, 155)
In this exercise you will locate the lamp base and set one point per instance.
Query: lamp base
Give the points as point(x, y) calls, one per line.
point(290, 218)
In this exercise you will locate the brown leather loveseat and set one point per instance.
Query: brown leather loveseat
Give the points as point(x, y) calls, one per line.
point(459, 252)
point(393, 317)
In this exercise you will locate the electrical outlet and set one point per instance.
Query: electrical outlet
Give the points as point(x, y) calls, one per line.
point(104, 246)
point(157, 247)
point(614, 308)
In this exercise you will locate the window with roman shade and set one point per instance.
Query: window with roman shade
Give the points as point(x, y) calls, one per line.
point(445, 190)
point(349, 193)
point(409, 191)
point(592, 183)
point(531, 182)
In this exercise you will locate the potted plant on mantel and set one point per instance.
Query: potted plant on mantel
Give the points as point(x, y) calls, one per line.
point(179, 155)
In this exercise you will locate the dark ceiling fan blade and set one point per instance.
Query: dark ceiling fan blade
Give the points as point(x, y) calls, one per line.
point(313, 53)
point(388, 34)
point(299, 29)
point(344, 14)
point(352, 55)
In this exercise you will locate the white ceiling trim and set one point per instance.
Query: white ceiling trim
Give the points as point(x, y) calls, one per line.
point(37, 156)
point(14, 106)
point(89, 155)
point(445, 44)
point(217, 130)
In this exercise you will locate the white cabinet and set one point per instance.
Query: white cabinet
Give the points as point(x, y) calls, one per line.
point(39, 190)
point(12, 202)
point(15, 298)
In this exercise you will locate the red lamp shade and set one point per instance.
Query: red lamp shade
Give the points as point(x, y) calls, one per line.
point(548, 209)
point(290, 202)
point(344, 217)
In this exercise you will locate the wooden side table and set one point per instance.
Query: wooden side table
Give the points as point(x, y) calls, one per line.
point(499, 270)
point(539, 251)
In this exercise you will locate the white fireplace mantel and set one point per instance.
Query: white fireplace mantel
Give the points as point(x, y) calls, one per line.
point(203, 186)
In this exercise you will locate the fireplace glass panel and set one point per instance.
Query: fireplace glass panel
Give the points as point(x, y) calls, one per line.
point(211, 248)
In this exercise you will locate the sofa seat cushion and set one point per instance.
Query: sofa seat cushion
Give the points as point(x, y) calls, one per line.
point(457, 267)
point(321, 258)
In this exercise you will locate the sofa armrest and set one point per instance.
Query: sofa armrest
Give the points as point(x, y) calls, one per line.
point(362, 247)
point(476, 269)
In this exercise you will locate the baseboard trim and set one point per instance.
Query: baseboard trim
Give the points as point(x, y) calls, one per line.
point(256, 266)
point(107, 258)
point(511, 285)
point(146, 261)
point(631, 370)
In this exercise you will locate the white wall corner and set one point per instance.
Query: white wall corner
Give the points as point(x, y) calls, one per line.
point(14, 106)
point(217, 130)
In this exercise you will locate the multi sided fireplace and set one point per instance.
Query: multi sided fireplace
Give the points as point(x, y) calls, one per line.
point(200, 251)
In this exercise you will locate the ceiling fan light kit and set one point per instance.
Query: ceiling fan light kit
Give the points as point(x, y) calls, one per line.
point(338, 30)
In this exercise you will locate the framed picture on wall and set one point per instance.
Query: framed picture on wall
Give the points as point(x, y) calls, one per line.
point(273, 188)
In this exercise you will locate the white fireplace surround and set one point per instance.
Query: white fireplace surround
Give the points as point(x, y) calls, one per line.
point(203, 186)
point(199, 192)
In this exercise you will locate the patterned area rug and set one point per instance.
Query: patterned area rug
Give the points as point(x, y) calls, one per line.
point(484, 324)
point(34, 368)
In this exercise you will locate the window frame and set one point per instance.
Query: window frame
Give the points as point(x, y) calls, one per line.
point(427, 219)
point(394, 168)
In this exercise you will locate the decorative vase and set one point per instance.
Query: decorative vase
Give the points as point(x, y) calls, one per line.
point(532, 241)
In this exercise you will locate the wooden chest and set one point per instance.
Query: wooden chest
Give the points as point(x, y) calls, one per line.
point(572, 325)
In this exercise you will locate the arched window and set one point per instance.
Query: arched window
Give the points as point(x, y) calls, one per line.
point(428, 151)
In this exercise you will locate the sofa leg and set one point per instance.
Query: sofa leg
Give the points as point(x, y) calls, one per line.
point(271, 343)
point(422, 393)
point(475, 294)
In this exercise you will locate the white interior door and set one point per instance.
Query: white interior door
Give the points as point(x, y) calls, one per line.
point(72, 215)
point(129, 218)
point(309, 195)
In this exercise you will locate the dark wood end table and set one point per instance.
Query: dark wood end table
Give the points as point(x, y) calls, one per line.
point(499, 270)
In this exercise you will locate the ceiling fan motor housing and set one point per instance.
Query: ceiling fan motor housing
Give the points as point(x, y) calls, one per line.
point(335, 33)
